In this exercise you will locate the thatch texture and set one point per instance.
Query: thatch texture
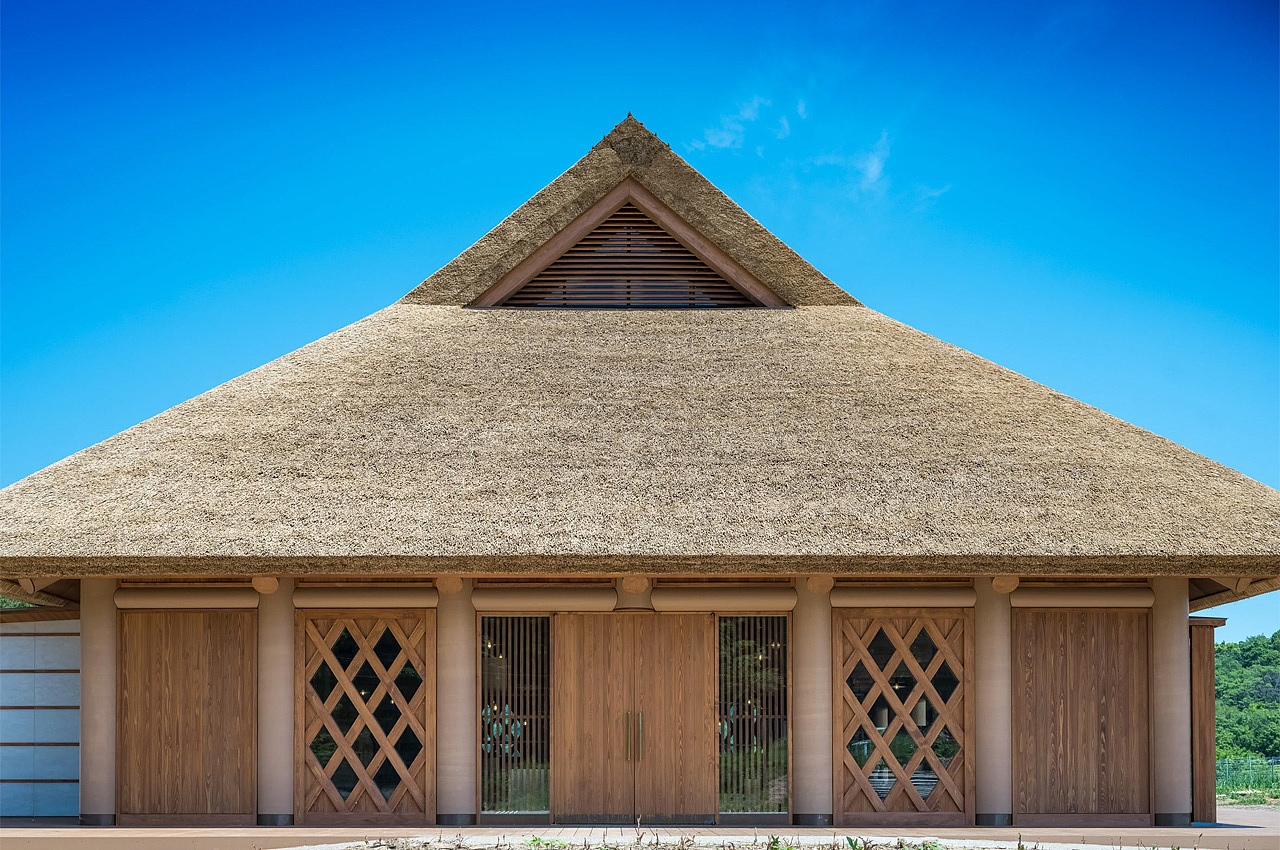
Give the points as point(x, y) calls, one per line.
point(630, 151)
point(433, 438)
point(425, 431)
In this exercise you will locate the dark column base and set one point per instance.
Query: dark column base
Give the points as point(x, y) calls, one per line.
point(812, 820)
point(456, 820)
point(275, 820)
point(994, 820)
point(97, 820)
point(1173, 819)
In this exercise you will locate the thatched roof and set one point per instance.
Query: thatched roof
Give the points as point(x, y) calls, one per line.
point(827, 438)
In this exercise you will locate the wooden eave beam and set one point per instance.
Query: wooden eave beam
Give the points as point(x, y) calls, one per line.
point(13, 590)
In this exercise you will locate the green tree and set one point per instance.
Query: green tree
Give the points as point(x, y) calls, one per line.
point(1247, 691)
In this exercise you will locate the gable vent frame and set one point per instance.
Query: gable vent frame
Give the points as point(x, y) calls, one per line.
point(629, 191)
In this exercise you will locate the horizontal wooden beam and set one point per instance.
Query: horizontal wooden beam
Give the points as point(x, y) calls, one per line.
point(186, 597)
point(534, 599)
point(365, 597)
point(1082, 597)
point(724, 599)
point(13, 590)
point(919, 596)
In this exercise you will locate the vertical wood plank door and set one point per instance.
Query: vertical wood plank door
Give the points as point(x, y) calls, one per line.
point(187, 713)
point(902, 715)
point(1081, 714)
point(593, 718)
point(365, 730)
point(1204, 737)
point(676, 745)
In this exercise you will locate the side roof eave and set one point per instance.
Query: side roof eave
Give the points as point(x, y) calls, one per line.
point(629, 150)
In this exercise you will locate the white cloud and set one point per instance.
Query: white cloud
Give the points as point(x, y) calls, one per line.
point(784, 128)
point(928, 193)
point(870, 165)
point(801, 110)
point(750, 110)
point(732, 129)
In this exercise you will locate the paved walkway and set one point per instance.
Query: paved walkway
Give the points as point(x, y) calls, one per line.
point(1243, 829)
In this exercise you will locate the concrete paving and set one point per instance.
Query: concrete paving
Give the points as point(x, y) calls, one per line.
point(1241, 829)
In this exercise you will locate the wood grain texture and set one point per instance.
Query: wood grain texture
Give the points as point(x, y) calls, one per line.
point(610, 764)
point(593, 718)
point(318, 795)
point(186, 721)
point(676, 758)
point(1081, 712)
point(1204, 739)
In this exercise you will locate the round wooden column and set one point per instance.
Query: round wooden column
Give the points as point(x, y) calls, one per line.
point(1171, 702)
point(275, 705)
point(97, 701)
point(457, 723)
point(993, 697)
point(811, 728)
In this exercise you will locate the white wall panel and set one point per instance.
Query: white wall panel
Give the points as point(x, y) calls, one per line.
point(18, 652)
point(39, 762)
point(42, 645)
point(40, 627)
point(40, 689)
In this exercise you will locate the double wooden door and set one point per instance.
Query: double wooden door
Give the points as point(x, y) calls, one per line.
point(634, 723)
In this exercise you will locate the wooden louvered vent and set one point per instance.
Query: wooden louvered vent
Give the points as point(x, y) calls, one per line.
point(628, 262)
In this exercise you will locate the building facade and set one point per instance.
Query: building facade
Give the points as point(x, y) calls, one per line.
point(628, 513)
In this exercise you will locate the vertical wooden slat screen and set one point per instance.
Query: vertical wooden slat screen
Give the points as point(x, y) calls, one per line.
point(515, 715)
point(628, 262)
point(753, 714)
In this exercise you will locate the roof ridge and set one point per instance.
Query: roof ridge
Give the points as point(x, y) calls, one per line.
point(630, 150)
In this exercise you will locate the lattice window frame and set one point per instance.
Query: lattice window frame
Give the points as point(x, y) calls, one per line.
point(413, 802)
point(951, 631)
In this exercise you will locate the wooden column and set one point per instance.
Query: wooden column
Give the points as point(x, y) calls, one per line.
point(97, 701)
point(993, 683)
point(456, 718)
point(811, 724)
point(1171, 702)
point(275, 706)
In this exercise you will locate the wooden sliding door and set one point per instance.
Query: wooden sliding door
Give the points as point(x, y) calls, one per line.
point(902, 717)
point(593, 716)
point(634, 718)
point(365, 726)
point(187, 717)
point(1081, 711)
point(676, 777)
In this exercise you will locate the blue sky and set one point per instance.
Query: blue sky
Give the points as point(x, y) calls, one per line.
point(1085, 192)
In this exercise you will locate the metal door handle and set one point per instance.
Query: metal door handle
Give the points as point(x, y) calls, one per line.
point(640, 743)
point(628, 736)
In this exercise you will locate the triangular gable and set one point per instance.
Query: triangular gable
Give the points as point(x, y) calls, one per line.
point(630, 155)
point(628, 251)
